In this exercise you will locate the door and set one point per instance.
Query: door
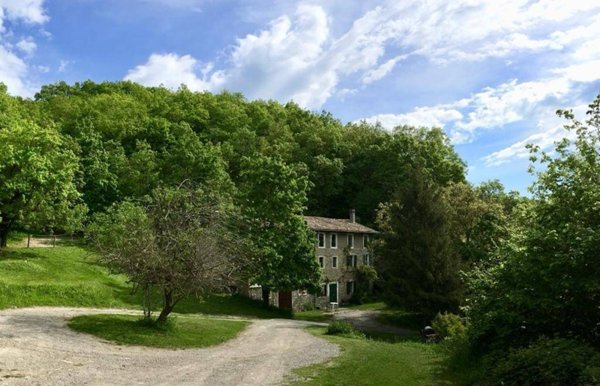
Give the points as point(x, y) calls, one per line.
point(285, 300)
point(333, 293)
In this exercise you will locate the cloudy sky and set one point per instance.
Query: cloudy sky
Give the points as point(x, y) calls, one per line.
point(491, 73)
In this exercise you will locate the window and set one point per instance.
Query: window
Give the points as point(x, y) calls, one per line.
point(349, 287)
point(334, 240)
point(350, 240)
point(321, 261)
point(351, 260)
point(334, 262)
point(365, 240)
point(321, 237)
point(366, 259)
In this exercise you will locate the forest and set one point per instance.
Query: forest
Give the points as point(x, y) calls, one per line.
point(511, 280)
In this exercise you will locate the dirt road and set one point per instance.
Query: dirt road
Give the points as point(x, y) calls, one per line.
point(36, 348)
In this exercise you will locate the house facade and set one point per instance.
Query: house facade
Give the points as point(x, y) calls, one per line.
point(341, 247)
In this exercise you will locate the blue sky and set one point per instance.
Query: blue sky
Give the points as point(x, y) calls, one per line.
point(491, 73)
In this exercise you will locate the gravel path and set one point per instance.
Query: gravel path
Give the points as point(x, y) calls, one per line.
point(367, 320)
point(36, 348)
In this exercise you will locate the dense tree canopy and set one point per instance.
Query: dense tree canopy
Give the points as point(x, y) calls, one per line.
point(38, 170)
point(544, 282)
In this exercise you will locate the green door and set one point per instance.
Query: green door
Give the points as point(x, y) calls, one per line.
point(333, 293)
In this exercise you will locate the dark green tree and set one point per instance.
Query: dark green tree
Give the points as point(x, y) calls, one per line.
point(416, 255)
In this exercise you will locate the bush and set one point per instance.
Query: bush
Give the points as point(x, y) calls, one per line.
point(343, 328)
point(448, 325)
point(339, 328)
point(549, 362)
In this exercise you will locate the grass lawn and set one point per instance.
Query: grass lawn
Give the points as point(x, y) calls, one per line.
point(180, 332)
point(61, 276)
point(69, 276)
point(375, 362)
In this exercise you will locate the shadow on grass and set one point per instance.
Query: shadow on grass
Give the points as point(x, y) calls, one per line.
point(233, 305)
point(392, 338)
point(18, 254)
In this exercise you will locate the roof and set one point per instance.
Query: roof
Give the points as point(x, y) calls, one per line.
point(336, 225)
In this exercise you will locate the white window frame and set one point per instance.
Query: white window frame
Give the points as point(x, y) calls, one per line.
point(331, 237)
point(319, 234)
point(366, 259)
point(365, 240)
point(334, 262)
point(321, 261)
point(348, 239)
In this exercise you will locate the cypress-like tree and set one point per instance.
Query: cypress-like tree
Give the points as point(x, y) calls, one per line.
point(416, 255)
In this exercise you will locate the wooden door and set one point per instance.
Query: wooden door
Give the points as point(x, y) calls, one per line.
point(285, 300)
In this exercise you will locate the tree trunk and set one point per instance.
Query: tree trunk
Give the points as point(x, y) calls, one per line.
point(266, 294)
point(4, 229)
point(168, 306)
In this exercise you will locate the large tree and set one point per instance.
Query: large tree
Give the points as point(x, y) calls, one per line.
point(183, 241)
point(38, 168)
point(417, 258)
point(272, 198)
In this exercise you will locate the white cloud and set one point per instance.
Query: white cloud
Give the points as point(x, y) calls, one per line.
point(28, 11)
point(14, 70)
point(544, 139)
point(550, 129)
point(27, 46)
point(436, 116)
point(62, 66)
point(172, 71)
point(381, 71)
point(297, 56)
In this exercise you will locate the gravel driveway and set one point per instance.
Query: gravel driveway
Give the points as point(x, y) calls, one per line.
point(36, 348)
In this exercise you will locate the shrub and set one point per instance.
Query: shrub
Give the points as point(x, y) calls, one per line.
point(343, 328)
point(448, 325)
point(339, 328)
point(549, 362)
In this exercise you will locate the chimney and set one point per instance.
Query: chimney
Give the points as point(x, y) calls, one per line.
point(352, 215)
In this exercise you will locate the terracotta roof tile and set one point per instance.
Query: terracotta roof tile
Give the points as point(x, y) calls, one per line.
point(336, 225)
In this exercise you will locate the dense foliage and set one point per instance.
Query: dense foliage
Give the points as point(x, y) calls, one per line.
point(544, 279)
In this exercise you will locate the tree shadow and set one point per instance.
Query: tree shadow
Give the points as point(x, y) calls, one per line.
point(18, 254)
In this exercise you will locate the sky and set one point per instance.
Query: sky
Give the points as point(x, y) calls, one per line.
point(490, 73)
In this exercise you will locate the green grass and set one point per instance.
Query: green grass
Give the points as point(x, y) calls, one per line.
point(61, 276)
point(367, 361)
point(179, 332)
point(69, 276)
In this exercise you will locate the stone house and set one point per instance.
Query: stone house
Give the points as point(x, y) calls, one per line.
point(341, 246)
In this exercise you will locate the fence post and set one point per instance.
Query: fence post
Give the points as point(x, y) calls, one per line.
point(28, 240)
